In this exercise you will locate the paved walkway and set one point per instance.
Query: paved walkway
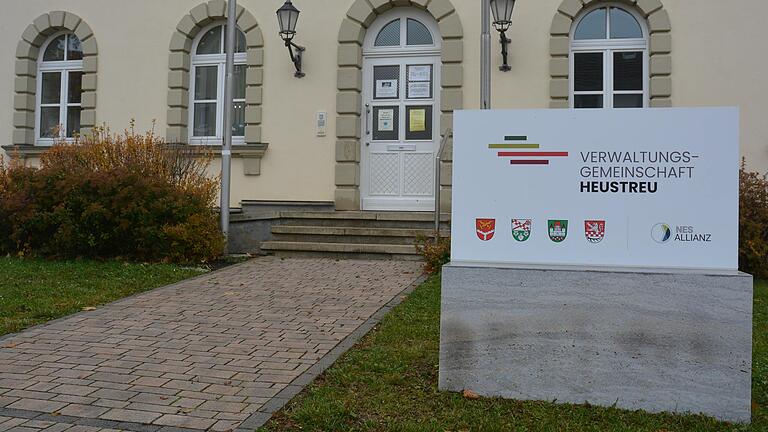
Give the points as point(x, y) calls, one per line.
point(219, 352)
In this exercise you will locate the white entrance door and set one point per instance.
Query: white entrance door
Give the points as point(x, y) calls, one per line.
point(401, 117)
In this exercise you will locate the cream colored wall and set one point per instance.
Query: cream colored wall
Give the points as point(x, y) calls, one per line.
point(718, 59)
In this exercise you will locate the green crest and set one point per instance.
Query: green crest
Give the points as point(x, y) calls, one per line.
point(558, 230)
point(521, 229)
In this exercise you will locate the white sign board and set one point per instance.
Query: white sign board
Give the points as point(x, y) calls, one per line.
point(651, 188)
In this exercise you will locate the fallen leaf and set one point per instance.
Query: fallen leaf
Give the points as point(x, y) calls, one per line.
point(89, 309)
point(469, 394)
point(10, 345)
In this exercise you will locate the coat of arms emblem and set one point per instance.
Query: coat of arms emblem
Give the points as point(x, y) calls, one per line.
point(521, 229)
point(486, 228)
point(558, 230)
point(594, 230)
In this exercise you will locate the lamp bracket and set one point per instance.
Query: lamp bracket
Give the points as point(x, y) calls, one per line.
point(296, 57)
point(505, 41)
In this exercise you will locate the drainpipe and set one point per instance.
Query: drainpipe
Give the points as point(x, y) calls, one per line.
point(485, 56)
point(226, 147)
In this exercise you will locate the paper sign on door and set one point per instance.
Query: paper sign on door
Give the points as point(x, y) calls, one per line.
point(385, 120)
point(386, 89)
point(419, 90)
point(419, 73)
point(417, 121)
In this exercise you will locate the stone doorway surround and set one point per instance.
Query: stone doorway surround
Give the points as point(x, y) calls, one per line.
point(660, 49)
point(359, 17)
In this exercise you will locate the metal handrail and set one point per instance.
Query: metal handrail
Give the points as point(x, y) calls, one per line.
point(438, 159)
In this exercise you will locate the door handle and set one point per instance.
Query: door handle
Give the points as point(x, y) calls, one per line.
point(367, 119)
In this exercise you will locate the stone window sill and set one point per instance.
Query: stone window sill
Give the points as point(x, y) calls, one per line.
point(250, 153)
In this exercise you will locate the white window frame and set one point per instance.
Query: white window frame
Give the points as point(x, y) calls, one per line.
point(608, 47)
point(63, 67)
point(220, 61)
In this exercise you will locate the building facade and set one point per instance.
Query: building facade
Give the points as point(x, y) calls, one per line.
point(383, 77)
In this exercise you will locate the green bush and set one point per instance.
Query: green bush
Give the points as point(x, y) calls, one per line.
point(106, 196)
point(753, 222)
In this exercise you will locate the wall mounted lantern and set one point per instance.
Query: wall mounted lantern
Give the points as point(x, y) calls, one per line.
point(287, 16)
point(502, 20)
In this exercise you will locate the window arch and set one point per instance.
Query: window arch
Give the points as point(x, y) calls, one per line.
point(208, 70)
point(60, 88)
point(609, 59)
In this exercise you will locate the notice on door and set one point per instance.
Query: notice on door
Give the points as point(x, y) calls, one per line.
point(386, 89)
point(418, 120)
point(386, 117)
point(420, 73)
point(419, 90)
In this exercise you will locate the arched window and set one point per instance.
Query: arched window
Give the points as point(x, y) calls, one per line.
point(609, 59)
point(59, 88)
point(403, 32)
point(207, 87)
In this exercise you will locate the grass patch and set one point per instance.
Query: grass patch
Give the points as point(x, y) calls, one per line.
point(35, 291)
point(388, 382)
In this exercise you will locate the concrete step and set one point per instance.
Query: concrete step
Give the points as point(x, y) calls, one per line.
point(351, 235)
point(409, 220)
point(341, 250)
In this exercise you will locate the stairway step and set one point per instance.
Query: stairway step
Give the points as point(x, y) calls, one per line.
point(343, 248)
point(349, 235)
point(354, 231)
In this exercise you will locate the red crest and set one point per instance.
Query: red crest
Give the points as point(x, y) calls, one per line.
point(486, 228)
point(594, 230)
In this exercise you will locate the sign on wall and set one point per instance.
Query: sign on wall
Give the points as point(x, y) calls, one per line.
point(619, 188)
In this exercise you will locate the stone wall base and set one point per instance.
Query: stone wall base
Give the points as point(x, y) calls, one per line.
point(677, 342)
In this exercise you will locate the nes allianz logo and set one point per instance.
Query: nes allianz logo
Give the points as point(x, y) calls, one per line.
point(522, 153)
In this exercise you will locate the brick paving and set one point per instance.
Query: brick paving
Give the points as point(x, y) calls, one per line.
point(219, 352)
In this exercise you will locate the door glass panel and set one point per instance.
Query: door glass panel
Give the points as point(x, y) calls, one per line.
point(49, 122)
point(210, 43)
point(628, 101)
point(73, 121)
point(588, 71)
point(418, 33)
point(386, 82)
point(205, 120)
point(206, 82)
point(389, 35)
point(51, 91)
point(75, 87)
point(588, 101)
point(55, 50)
point(592, 26)
point(386, 123)
point(628, 71)
point(419, 122)
point(624, 25)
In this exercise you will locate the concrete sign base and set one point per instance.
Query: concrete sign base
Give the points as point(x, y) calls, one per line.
point(674, 341)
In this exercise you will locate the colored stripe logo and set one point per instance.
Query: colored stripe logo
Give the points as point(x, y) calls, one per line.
point(522, 153)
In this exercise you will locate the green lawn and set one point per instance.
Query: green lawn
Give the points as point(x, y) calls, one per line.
point(35, 291)
point(388, 382)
